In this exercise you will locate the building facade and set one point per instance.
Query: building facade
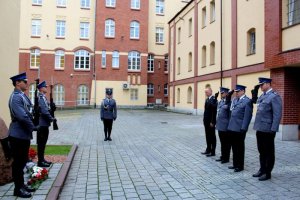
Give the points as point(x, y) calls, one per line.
point(218, 44)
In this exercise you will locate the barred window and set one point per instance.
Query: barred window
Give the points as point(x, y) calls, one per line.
point(293, 12)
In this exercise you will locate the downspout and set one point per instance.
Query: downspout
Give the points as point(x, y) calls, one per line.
point(221, 16)
point(94, 73)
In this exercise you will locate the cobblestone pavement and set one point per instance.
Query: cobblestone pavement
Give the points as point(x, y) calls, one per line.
point(156, 155)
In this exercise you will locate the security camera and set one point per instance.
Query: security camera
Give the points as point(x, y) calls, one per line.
point(71, 75)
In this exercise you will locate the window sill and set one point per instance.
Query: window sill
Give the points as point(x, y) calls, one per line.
point(166, 72)
point(190, 70)
point(85, 8)
point(109, 37)
point(57, 69)
point(85, 70)
point(212, 21)
point(211, 64)
point(178, 74)
point(33, 36)
point(189, 102)
point(34, 68)
point(203, 27)
point(36, 4)
point(203, 66)
point(160, 14)
point(110, 7)
point(136, 9)
point(150, 72)
point(85, 39)
point(250, 54)
point(150, 95)
point(61, 6)
point(134, 71)
point(60, 38)
point(178, 102)
point(190, 36)
point(136, 39)
point(166, 96)
point(290, 26)
point(178, 42)
point(115, 68)
point(159, 43)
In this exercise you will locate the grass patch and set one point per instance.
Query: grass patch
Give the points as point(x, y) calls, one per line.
point(55, 149)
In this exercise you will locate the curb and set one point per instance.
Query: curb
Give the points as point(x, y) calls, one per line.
point(62, 175)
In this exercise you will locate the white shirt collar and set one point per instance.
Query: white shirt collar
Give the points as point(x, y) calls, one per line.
point(242, 96)
point(210, 97)
point(269, 90)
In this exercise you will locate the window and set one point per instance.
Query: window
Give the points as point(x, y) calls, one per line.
point(83, 95)
point(59, 59)
point(84, 30)
point(82, 59)
point(190, 66)
point(115, 59)
point(134, 30)
point(61, 3)
point(37, 2)
point(150, 89)
point(134, 96)
point(178, 65)
point(204, 17)
point(293, 12)
point(31, 92)
point(212, 11)
point(110, 3)
point(160, 7)
point(212, 53)
point(166, 89)
point(179, 35)
point(134, 60)
point(166, 63)
point(36, 27)
point(35, 58)
point(178, 95)
point(60, 28)
point(135, 4)
point(85, 3)
point(103, 62)
point(159, 35)
point(189, 95)
point(190, 27)
point(204, 56)
point(59, 95)
point(150, 63)
point(251, 41)
point(109, 28)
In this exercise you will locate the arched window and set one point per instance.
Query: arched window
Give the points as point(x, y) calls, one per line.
point(212, 53)
point(82, 60)
point(150, 89)
point(178, 65)
point(109, 28)
point(83, 95)
point(59, 59)
point(115, 59)
point(134, 30)
point(31, 92)
point(150, 63)
point(59, 95)
point(189, 95)
point(190, 66)
point(204, 56)
point(178, 95)
point(134, 60)
point(251, 41)
point(35, 57)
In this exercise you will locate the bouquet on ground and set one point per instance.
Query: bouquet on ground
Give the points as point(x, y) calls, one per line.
point(37, 176)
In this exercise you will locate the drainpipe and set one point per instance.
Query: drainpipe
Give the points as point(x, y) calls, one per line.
point(94, 70)
point(221, 19)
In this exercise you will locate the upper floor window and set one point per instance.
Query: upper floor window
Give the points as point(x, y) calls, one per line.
point(84, 30)
point(60, 28)
point(82, 59)
point(190, 63)
point(203, 17)
point(212, 53)
point(179, 35)
point(134, 60)
point(190, 27)
point(37, 2)
point(135, 4)
point(150, 63)
point(35, 58)
point(160, 7)
point(293, 12)
point(204, 56)
point(83, 95)
point(178, 65)
point(115, 59)
point(36, 27)
point(212, 11)
point(150, 89)
point(109, 28)
point(166, 63)
point(103, 61)
point(59, 59)
point(85, 3)
point(251, 41)
point(110, 3)
point(61, 3)
point(59, 95)
point(134, 30)
point(159, 35)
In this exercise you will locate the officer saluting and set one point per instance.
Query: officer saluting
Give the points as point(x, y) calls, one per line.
point(44, 123)
point(241, 114)
point(20, 132)
point(266, 124)
point(108, 114)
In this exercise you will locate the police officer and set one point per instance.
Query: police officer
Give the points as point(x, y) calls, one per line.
point(241, 114)
point(108, 114)
point(44, 123)
point(267, 120)
point(209, 120)
point(222, 124)
point(20, 132)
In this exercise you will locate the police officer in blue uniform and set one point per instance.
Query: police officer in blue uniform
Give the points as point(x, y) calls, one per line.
point(108, 114)
point(20, 132)
point(267, 120)
point(44, 123)
point(241, 114)
point(222, 124)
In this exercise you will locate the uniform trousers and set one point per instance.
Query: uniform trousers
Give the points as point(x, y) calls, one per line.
point(225, 145)
point(107, 127)
point(41, 139)
point(238, 148)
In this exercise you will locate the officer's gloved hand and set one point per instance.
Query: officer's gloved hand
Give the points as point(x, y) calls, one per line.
point(36, 128)
point(216, 95)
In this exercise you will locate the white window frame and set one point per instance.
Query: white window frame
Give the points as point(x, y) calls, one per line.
point(36, 55)
point(59, 95)
point(135, 4)
point(83, 56)
point(252, 42)
point(110, 28)
point(60, 59)
point(115, 59)
point(160, 7)
point(166, 63)
point(61, 3)
point(134, 30)
point(150, 63)
point(134, 61)
point(134, 94)
point(37, 2)
point(110, 3)
point(60, 28)
point(159, 35)
point(150, 89)
point(293, 12)
point(36, 27)
point(83, 95)
point(103, 59)
point(85, 4)
point(84, 30)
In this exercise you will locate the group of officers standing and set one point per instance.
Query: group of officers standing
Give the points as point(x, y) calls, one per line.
point(231, 117)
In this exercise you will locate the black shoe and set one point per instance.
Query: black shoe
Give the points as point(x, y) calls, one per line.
point(238, 169)
point(29, 189)
point(205, 152)
point(258, 174)
point(224, 161)
point(231, 167)
point(219, 160)
point(109, 139)
point(47, 162)
point(105, 139)
point(210, 155)
point(43, 164)
point(22, 193)
point(264, 177)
